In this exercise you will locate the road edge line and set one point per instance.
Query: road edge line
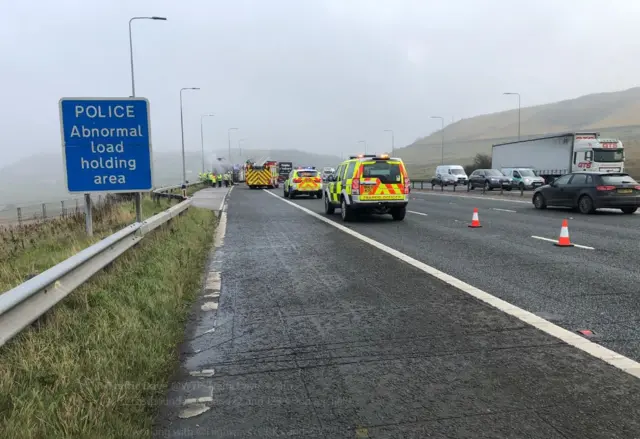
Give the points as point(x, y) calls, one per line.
point(595, 350)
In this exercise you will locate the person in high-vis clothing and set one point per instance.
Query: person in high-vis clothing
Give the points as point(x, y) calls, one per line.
point(212, 177)
point(219, 180)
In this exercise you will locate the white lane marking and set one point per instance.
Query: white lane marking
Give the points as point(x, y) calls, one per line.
point(503, 210)
point(555, 240)
point(417, 213)
point(473, 197)
point(598, 351)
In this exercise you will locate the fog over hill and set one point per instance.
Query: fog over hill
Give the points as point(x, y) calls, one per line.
point(41, 178)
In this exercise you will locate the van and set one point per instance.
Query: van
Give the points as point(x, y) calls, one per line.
point(523, 178)
point(450, 175)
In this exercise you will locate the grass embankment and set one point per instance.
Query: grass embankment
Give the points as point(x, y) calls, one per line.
point(97, 365)
point(30, 249)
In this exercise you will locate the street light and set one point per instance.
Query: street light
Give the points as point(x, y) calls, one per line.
point(184, 165)
point(365, 145)
point(133, 95)
point(202, 135)
point(441, 139)
point(393, 141)
point(133, 82)
point(229, 138)
point(517, 94)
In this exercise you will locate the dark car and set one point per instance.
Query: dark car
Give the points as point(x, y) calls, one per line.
point(588, 191)
point(489, 179)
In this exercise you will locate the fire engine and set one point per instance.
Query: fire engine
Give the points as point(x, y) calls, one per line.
point(263, 175)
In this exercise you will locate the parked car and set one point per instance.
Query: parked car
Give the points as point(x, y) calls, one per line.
point(588, 191)
point(489, 179)
point(523, 178)
point(453, 175)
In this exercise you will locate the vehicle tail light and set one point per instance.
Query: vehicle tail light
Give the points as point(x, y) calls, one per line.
point(297, 180)
point(637, 188)
point(407, 186)
point(355, 186)
point(605, 188)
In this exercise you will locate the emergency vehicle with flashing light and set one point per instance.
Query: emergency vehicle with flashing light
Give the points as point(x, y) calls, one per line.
point(303, 181)
point(368, 184)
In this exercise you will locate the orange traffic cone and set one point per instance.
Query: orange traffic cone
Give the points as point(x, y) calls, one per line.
point(563, 240)
point(475, 221)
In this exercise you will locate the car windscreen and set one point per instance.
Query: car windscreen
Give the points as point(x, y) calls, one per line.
point(303, 174)
point(493, 173)
point(526, 173)
point(456, 171)
point(616, 179)
point(386, 172)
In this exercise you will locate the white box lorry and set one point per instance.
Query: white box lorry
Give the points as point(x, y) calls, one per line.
point(561, 154)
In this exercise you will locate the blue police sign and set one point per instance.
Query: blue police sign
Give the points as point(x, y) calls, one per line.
point(106, 144)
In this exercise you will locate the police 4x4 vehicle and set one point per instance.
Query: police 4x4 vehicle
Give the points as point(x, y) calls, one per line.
point(305, 181)
point(368, 184)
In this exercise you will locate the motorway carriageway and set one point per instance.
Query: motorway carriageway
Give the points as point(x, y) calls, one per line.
point(328, 329)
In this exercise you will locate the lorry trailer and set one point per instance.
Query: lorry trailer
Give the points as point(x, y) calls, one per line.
point(553, 156)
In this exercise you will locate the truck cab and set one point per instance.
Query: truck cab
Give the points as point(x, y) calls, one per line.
point(592, 154)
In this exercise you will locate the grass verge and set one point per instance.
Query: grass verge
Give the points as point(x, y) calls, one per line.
point(98, 363)
point(29, 250)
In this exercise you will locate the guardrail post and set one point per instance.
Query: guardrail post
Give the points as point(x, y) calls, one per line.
point(77, 207)
point(483, 188)
point(422, 185)
point(62, 210)
point(44, 211)
point(454, 187)
point(522, 191)
point(441, 186)
point(19, 216)
point(501, 190)
point(468, 187)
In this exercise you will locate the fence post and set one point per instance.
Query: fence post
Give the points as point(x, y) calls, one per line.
point(77, 207)
point(454, 187)
point(501, 190)
point(441, 186)
point(63, 212)
point(44, 211)
point(19, 216)
point(521, 191)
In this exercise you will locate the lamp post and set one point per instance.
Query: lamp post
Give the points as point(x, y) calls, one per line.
point(133, 95)
point(393, 142)
point(441, 138)
point(229, 139)
point(202, 135)
point(365, 145)
point(517, 94)
point(184, 165)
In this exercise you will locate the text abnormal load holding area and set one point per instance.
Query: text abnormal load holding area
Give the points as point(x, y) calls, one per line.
point(106, 144)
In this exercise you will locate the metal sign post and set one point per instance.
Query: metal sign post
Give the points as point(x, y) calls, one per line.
point(106, 146)
point(88, 215)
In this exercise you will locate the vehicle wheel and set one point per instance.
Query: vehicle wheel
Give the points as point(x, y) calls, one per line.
point(585, 204)
point(292, 194)
point(521, 186)
point(329, 208)
point(629, 210)
point(508, 189)
point(319, 194)
point(487, 186)
point(398, 213)
point(539, 202)
point(345, 211)
point(285, 193)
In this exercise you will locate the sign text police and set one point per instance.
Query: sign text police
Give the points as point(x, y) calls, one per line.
point(106, 144)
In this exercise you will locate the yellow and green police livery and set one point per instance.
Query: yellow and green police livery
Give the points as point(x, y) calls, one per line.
point(303, 181)
point(368, 184)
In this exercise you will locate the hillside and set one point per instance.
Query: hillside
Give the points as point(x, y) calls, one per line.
point(615, 114)
point(40, 178)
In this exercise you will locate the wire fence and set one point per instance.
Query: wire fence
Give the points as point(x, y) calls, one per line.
point(22, 214)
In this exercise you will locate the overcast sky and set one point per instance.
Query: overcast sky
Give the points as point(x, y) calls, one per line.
point(316, 75)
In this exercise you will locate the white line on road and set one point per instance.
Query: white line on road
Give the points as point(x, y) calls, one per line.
point(598, 351)
point(417, 213)
point(503, 210)
point(555, 240)
point(471, 197)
